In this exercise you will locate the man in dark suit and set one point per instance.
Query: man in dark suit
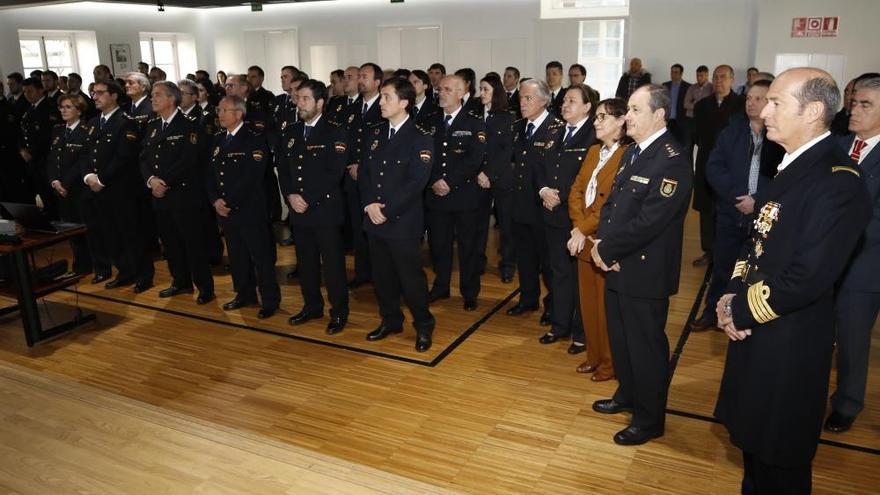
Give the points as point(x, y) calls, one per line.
point(510, 81)
point(396, 167)
point(553, 78)
point(639, 246)
point(170, 168)
point(632, 80)
point(453, 198)
point(17, 99)
point(285, 114)
point(677, 88)
point(137, 88)
point(14, 183)
point(711, 115)
point(50, 86)
point(256, 77)
point(424, 110)
point(336, 109)
point(36, 136)
point(365, 114)
point(779, 309)
point(239, 158)
point(533, 136)
point(112, 175)
point(577, 74)
point(739, 168)
point(436, 72)
point(312, 158)
point(858, 296)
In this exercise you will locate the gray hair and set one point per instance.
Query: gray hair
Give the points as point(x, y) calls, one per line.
point(658, 98)
point(541, 86)
point(141, 79)
point(823, 90)
point(238, 102)
point(171, 89)
point(190, 85)
point(868, 83)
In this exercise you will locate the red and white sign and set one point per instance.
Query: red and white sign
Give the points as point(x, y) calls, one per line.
point(814, 27)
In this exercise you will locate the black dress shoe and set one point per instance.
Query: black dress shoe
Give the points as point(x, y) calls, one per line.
point(293, 273)
point(97, 279)
point(703, 324)
point(144, 286)
point(117, 283)
point(357, 282)
point(610, 406)
point(634, 435)
point(264, 313)
point(506, 278)
point(381, 332)
point(470, 304)
point(574, 349)
point(236, 303)
point(546, 319)
point(548, 338)
point(173, 291)
point(838, 423)
point(336, 325)
point(423, 342)
point(519, 309)
point(304, 316)
point(205, 298)
point(287, 241)
point(435, 296)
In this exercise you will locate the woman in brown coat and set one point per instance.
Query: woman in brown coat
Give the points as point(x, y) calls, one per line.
point(590, 190)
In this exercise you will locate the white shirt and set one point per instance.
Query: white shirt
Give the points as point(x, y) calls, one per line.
point(540, 120)
point(397, 127)
point(38, 102)
point(370, 102)
point(453, 115)
point(464, 100)
point(790, 157)
point(203, 104)
point(312, 123)
point(650, 139)
point(234, 131)
point(106, 116)
point(138, 103)
point(74, 126)
point(577, 127)
point(869, 145)
point(166, 122)
point(486, 109)
point(593, 185)
point(418, 105)
point(188, 110)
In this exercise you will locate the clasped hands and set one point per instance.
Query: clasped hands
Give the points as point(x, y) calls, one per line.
point(725, 319)
point(594, 253)
point(550, 198)
point(297, 202)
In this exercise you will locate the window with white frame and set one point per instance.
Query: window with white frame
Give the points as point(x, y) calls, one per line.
point(160, 50)
point(600, 50)
point(48, 51)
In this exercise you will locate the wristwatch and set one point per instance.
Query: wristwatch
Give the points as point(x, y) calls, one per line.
point(727, 310)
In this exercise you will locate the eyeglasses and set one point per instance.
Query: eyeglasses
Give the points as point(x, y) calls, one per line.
point(224, 110)
point(66, 107)
point(99, 91)
point(188, 93)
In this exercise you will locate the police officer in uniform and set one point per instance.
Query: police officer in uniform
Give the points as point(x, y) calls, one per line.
point(638, 244)
point(453, 198)
point(170, 167)
point(239, 157)
point(285, 114)
point(13, 179)
point(533, 136)
point(395, 169)
point(779, 309)
point(112, 175)
point(36, 135)
point(313, 159)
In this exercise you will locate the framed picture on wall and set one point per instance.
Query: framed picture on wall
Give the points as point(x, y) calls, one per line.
point(120, 54)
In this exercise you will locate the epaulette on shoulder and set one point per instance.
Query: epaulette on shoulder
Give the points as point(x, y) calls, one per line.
point(154, 119)
point(191, 118)
point(378, 124)
point(555, 123)
point(517, 121)
point(63, 124)
point(671, 151)
point(220, 132)
point(424, 130)
point(334, 123)
point(845, 168)
point(474, 114)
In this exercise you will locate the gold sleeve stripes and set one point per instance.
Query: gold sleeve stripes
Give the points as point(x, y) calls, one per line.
point(758, 295)
point(738, 269)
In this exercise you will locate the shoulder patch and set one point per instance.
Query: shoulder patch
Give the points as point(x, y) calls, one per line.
point(425, 155)
point(671, 152)
point(377, 124)
point(668, 187)
point(844, 168)
point(424, 130)
point(340, 147)
point(131, 136)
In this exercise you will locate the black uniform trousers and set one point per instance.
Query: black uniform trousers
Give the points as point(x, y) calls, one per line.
point(130, 240)
point(855, 315)
point(503, 202)
point(359, 241)
point(532, 260)
point(183, 235)
point(707, 227)
point(252, 260)
point(760, 478)
point(70, 212)
point(320, 248)
point(565, 318)
point(36, 172)
point(98, 239)
point(729, 240)
point(444, 229)
point(397, 268)
point(640, 351)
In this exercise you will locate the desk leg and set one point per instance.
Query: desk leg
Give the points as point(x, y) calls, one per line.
point(30, 313)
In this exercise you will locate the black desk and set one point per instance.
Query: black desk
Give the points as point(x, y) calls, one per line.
point(27, 292)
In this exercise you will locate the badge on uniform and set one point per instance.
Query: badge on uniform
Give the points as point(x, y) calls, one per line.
point(259, 124)
point(374, 145)
point(425, 155)
point(767, 217)
point(668, 187)
point(131, 136)
point(284, 125)
point(216, 151)
point(339, 146)
point(193, 138)
point(257, 154)
point(759, 249)
point(55, 141)
point(548, 145)
point(339, 109)
point(639, 179)
point(376, 132)
point(290, 143)
point(351, 118)
point(153, 134)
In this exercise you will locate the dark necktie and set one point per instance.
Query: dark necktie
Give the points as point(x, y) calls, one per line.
point(390, 133)
point(307, 130)
point(164, 126)
point(568, 136)
point(228, 139)
point(133, 108)
point(414, 111)
point(858, 146)
point(350, 101)
point(67, 132)
point(509, 95)
point(364, 111)
point(530, 129)
point(103, 121)
point(635, 156)
point(447, 121)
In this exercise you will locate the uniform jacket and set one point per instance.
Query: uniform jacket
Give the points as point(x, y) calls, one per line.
point(427, 113)
point(775, 383)
point(497, 163)
point(558, 169)
point(586, 218)
point(173, 156)
point(513, 104)
point(459, 155)
point(861, 274)
point(36, 129)
point(395, 172)
point(527, 156)
point(67, 157)
point(358, 126)
point(114, 153)
point(313, 168)
point(141, 113)
point(642, 222)
point(236, 174)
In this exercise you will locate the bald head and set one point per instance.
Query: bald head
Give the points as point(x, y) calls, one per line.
point(802, 104)
point(452, 90)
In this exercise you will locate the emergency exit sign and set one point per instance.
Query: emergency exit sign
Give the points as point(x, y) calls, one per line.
point(814, 27)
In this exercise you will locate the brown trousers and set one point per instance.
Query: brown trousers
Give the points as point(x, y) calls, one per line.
point(591, 282)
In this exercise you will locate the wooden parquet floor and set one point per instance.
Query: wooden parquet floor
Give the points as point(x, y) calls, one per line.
point(487, 411)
